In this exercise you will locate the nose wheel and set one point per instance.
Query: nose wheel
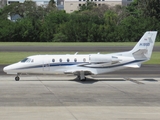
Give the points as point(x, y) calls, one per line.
point(17, 78)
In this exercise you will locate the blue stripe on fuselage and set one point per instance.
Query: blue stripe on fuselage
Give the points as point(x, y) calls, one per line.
point(78, 63)
point(118, 64)
point(52, 64)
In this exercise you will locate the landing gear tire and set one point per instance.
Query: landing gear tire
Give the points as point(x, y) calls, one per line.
point(79, 78)
point(83, 79)
point(17, 78)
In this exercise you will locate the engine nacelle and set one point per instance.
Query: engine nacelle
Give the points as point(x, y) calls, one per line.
point(100, 59)
point(103, 59)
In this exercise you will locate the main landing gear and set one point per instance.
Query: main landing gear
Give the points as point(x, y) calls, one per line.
point(81, 76)
point(17, 78)
point(81, 79)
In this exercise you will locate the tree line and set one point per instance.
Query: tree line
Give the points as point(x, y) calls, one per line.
point(89, 24)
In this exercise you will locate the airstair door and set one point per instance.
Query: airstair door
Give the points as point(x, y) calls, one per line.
point(46, 65)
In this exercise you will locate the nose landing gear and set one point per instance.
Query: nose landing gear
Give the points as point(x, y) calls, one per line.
point(17, 78)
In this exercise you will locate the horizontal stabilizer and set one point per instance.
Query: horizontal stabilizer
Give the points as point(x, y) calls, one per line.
point(140, 54)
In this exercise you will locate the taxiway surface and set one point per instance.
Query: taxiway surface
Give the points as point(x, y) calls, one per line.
point(63, 98)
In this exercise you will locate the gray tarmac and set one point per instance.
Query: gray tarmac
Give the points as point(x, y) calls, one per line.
point(130, 94)
point(64, 98)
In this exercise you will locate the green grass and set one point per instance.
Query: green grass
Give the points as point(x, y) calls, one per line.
point(70, 44)
point(155, 58)
point(12, 57)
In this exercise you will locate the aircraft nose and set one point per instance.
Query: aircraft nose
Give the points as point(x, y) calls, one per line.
point(5, 69)
point(10, 69)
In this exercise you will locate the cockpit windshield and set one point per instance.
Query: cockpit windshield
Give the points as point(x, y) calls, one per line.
point(26, 60)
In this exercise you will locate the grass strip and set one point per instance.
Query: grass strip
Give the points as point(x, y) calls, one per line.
point(12, 57)
point(70, 43)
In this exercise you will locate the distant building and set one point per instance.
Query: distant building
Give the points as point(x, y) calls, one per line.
point(59, 3)
point(72, 5)
point(126, 2)
point(38, 2)
point(14, 18)
point(3, 3)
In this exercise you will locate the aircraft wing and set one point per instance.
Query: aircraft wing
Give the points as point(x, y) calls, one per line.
point(135, 65)
point(77, 72)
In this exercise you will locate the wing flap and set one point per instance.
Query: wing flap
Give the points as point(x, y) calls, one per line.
point(133, 65)
point(77, 72)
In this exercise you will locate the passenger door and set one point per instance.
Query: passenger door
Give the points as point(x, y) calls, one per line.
point(46, 65)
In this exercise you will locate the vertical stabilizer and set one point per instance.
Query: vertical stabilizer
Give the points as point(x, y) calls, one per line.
point(143, 49)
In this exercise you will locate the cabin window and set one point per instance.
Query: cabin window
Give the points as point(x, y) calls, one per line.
point(75, 60)
point(60, 60)
point(32, 60)
point(53, 60)
point(68, 60)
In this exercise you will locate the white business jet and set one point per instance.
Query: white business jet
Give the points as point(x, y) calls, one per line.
point(82, 65)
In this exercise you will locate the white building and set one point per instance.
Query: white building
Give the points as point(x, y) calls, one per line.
point(126, 2)
point(72, 5)
point(38, 2)
point(3, 3)
point(59, 3)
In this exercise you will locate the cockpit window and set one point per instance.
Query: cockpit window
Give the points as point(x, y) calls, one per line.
point(24, 60)
point(27, 60)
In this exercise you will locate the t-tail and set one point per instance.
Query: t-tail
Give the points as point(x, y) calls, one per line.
point(143, 49)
